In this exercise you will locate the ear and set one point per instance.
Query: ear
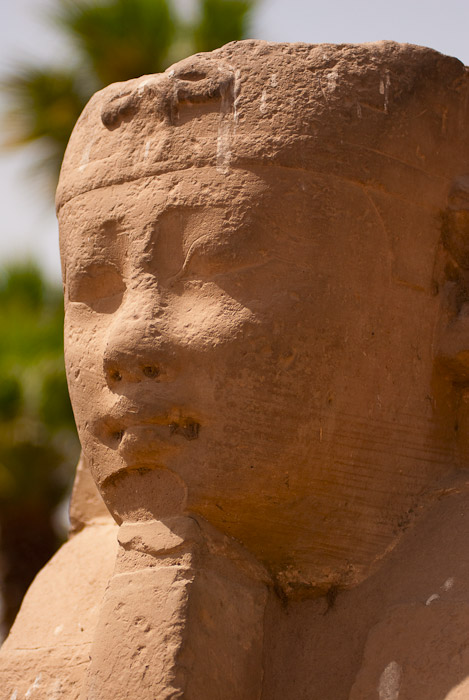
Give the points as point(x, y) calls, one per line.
point(86, 504)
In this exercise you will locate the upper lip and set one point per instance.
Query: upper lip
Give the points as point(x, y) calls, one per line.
point(124, 415)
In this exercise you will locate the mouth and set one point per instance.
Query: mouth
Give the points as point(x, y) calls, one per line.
point(148, 434)
point(131, 431)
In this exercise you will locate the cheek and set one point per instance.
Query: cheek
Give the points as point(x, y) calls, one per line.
point(262, 389)
point(83, 339)
point(79, 339)
point(263, 386)
point(206, 318)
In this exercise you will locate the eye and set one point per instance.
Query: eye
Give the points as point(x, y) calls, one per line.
point(99, 286)
point(222, 252)
point(210, 255)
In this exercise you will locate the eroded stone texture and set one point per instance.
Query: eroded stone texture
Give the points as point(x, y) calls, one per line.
point(48, 648)
point(265, 253)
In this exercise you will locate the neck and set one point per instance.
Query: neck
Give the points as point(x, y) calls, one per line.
point(183, 616)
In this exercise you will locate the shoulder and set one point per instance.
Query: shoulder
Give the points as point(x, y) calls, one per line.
point(49, 643)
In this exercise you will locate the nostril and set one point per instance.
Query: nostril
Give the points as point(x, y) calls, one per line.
point(151, 371)
point(115, 375)
point(118, 435)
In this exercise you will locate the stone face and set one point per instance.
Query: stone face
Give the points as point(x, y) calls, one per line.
point(265, 254)
point(250, 245)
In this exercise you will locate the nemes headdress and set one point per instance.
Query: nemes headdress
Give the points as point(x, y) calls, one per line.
point(361, 112)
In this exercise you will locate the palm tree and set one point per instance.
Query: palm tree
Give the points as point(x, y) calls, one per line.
point(38, 443)
point(113, 40)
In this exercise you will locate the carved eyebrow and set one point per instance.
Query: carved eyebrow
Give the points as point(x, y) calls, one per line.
point(181, 272)
point(87, 239)
point(83, 227)
point(109, 226)
point(93, 259)
point(188, 211)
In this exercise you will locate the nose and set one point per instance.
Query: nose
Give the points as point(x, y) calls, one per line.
point(138, 346)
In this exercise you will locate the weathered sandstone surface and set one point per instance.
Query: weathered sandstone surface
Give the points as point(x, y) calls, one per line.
point(265, 254)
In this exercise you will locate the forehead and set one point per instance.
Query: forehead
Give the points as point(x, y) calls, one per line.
point(154, 195)
point(199, 187)
point(269, 202)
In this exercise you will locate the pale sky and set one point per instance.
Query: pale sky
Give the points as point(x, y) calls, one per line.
point(28, 223)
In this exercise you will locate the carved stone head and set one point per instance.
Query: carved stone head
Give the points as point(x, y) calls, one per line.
point(265, 255)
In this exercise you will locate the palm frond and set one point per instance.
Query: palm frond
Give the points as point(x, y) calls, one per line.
point(121, 39)
point(221, 21)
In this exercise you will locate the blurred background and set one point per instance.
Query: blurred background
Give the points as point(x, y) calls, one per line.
point(53, 55)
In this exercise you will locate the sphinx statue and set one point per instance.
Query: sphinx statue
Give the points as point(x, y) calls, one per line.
point(266, 267)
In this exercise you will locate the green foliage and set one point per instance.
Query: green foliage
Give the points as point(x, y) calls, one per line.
point(26, 473)
point(221, 21)
point(44, 106)
point(55, 409)
point(38, 445)
point(21, 287)
point(121, 39)
point(114, 40)
point(11, 396)
point(31, 316)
